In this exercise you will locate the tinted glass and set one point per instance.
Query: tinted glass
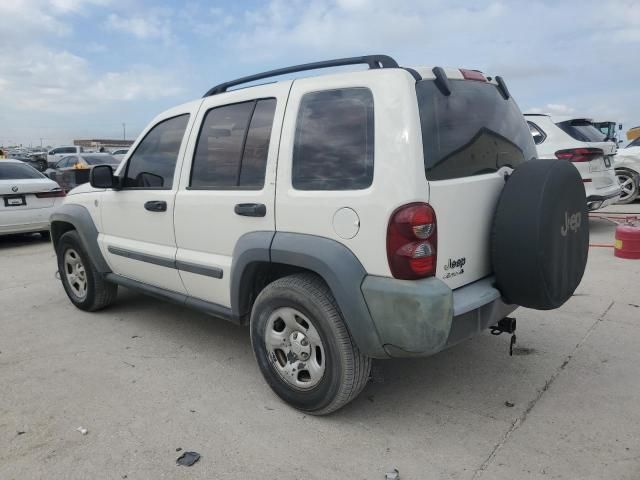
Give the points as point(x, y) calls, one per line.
point(472, 131)
point(582, 130)
point(17, 171)
point(536, 133)
point(233, 146)
point(67, 150)
point(256, 149)
point(66, 162)
point(153, 163)
point(635, 143)
point(333, 147)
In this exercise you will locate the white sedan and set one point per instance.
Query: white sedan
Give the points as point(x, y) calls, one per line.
point(27, 198)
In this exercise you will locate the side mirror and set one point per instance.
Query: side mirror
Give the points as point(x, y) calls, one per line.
point(101, 176)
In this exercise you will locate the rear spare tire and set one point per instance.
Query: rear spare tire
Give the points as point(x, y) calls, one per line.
point(540, 234)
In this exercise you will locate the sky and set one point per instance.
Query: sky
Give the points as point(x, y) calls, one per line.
point(73, 69)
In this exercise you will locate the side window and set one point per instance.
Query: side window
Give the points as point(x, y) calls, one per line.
point(537, 134)
point(153, 163)
point(54, 151)
point(333, 146)
point(67, 150)
point(233, 146)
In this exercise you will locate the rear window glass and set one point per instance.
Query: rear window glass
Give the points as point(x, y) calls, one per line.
point(101, 160)
point(473, 131)
point(18, 171)
point(582, 130)
point(333, 148)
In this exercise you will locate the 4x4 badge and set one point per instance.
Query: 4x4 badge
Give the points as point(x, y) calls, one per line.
point(14, 189)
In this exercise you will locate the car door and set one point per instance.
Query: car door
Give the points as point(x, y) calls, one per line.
point(227, 187)
point(137, 237)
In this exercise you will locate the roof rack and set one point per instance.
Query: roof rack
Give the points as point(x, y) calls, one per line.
point(374, 61)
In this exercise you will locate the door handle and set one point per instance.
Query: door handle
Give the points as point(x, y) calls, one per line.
point(156, 206)
point(251, 209)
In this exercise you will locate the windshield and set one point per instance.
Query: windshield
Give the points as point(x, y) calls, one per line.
point(18, 171)
point(582, 130)
point(472, 131)
point(100, 160)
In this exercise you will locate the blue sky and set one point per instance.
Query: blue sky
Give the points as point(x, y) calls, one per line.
point(80, 68)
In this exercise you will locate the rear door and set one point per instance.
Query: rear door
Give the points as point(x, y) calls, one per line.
point(227, 186)
point(471, 138)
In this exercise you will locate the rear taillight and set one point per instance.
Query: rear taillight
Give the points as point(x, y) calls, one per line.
point(579, 154)
point(473, 75)
point(51, 194)
point(412, 242)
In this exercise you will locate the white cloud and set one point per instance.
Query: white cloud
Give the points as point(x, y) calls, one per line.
point(553, 109)
point(144, 27)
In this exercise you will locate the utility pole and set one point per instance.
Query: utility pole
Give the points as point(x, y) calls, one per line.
point(124, 131)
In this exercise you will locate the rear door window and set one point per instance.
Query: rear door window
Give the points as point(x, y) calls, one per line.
point(333, 146)
point(233, 146)
point(537, 134)
point(472, 131)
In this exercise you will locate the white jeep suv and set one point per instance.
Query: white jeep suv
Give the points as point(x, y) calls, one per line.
point(578, 141)
point(389, 212)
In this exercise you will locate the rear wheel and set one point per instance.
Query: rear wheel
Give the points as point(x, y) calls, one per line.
point(84, 285)
point(303, 348)
point(629, 186)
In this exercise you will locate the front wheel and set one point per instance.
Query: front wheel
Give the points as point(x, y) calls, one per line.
point(85, 286)
point(629, 186)
point(303, 348)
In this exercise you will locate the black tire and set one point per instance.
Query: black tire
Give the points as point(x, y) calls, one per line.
point(99, 293)
point(540, 234)
point(346, 369)
point(634, 178)
point(46, 235)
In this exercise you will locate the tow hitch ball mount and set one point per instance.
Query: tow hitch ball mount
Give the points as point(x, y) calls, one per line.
point(506, 325)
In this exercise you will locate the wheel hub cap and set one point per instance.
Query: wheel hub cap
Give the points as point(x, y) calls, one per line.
point(295, 349)
point(75, 273)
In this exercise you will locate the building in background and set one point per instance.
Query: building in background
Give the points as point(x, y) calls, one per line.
point(108, 144)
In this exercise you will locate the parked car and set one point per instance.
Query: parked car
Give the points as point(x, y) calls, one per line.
point(627, 165)
point(73, 170)
point(56, 154)
point(28, 198)
point(120, 153)
point(579, 142)
point(388, 212)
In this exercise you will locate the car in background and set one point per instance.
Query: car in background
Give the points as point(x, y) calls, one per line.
point(56, 154)
point(627, 165)
point(579, 142)
point(120, 153)
point(73, 170)
point(37, 162)
point(28, 199)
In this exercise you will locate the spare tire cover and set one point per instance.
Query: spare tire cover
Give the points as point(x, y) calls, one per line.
point(540, 234)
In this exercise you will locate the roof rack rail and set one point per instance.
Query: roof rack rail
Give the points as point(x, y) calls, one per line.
point(374, 61)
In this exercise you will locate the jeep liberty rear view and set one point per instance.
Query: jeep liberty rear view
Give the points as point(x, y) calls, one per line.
point(389, 212)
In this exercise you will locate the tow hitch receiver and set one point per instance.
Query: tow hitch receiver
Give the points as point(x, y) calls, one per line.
point(506, 325)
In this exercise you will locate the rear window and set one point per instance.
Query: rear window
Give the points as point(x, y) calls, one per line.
point(18, 171)
point(473, 131)
point(582, 130)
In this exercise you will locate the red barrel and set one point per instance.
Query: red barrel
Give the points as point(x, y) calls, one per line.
point(627, 241)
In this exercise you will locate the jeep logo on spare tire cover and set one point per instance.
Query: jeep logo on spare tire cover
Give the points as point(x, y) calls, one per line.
point(538, 248)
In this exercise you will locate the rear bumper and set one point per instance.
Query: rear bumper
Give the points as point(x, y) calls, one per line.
point(604, 198)
point(420, 318)
point(25, 221)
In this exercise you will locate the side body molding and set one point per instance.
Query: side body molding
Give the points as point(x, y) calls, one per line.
point(343, 273)
point(80, 218)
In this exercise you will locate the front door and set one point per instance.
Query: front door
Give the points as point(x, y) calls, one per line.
point(227, 187)
point(137, 237)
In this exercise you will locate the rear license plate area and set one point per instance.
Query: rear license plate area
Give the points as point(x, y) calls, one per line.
point(14, 201)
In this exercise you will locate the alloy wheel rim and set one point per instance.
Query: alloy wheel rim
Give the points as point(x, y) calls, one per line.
point(627, 185)
point(295, 349)
point(75, 273)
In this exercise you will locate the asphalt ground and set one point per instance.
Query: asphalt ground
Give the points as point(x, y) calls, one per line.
point(147, 378)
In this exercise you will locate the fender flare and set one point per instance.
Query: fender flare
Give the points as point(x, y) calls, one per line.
point(329, 259)
point(80, 218)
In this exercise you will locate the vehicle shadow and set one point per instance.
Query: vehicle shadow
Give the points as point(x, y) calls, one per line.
point(21, 239)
